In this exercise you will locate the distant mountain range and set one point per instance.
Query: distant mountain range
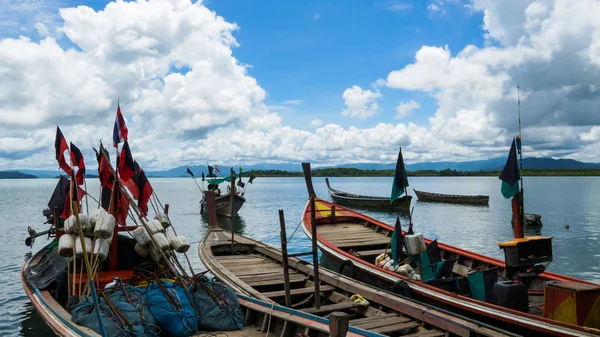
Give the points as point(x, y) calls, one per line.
point(491, 164)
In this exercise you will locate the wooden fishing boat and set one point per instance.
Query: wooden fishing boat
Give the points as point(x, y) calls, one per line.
point(365, 201)
point(260, 316)
point(348, 237)
point(452, 198)
point(256, 269)
point(228, 204)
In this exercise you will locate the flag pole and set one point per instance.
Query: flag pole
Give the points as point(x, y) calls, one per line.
point(193, 177)
point(519, 149)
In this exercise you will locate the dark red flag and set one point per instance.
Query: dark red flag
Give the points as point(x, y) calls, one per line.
point(67, 208)
point(77, 160)
point(145, 190)
point(126, 164)
point(60, 144)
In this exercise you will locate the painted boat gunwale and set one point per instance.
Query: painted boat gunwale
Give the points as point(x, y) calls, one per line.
point(486, 309)
point(48, 311)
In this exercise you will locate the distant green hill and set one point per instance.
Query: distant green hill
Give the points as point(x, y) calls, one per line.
point(15, 175)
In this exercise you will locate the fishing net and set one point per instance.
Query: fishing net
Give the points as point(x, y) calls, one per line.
point(172, 308)
point(218, 305)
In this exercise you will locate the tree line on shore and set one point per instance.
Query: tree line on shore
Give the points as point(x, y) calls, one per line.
point(354, 172)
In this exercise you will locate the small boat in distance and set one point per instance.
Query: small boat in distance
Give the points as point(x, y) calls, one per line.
point(365, 201)
point(397, 201)
point(452, 198)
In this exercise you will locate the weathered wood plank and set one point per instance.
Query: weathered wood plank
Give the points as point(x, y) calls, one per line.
point(299, 291)
point(377, 323)
point(370, 318)
point(427, 333)
point(401, 328)
point(324, 309)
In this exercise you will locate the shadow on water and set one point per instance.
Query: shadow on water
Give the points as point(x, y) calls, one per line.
point(237, 223)
point(32, 323)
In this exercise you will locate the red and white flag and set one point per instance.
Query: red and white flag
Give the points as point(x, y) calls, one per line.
point(217, 168)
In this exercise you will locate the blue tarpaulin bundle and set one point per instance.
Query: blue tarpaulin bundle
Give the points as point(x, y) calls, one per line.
point(172, 309)
point(124, 297)
point(85, 315)
point(218, 305)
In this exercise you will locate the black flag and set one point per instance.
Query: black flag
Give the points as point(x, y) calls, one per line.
point(210, 171)
point(202, 175)
point(510, 173)
point(232, 171)
point(190, 172)
point(252, 177)
point(241, 184)
point(60, 194)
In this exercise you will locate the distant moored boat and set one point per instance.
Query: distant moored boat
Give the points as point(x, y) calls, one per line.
point(452, 198)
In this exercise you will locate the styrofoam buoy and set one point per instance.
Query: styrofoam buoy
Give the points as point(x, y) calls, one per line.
point(105, 227)
point(141, 235)
point(88, 246)
point(65, 245)
point(161, 241)
point(101, 248)
point(142, 250)
point(180, 244)
point(154, 227)
point(163, 219)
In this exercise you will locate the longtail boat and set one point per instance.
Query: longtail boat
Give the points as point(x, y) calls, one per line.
point(259, 316)
point(516, 294)
point(452, 198)
point(256, 269)
point(364, 201)
point(228, 204)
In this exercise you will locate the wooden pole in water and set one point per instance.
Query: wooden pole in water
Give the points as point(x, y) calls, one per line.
point(232, 195)
point(284, 255)
point(315, 252)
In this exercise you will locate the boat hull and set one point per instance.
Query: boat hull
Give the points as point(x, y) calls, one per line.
point(223, 202)
point(498, 316)
point(402, 203)
point(452, 198)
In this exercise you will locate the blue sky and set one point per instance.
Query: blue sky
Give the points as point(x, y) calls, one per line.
point(313, 51)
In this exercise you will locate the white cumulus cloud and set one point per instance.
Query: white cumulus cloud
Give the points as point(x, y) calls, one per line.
point(404, 109)
point(360, 103)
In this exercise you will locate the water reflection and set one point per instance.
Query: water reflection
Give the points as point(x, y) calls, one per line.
point(32, 323)
point(236, 223)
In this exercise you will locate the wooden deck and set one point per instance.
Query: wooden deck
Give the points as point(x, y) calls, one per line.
point(265, 275)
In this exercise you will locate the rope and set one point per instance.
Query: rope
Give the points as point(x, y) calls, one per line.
point(270, 315)
point(298, 226)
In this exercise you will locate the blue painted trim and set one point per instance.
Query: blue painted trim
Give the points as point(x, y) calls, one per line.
point(306, 315)
point(59, 317)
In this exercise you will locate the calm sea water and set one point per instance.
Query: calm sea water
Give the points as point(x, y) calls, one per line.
point(569, 200)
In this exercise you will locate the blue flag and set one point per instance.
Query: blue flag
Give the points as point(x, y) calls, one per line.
point(510, 174)
point(400, 179)
point(397, 242)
